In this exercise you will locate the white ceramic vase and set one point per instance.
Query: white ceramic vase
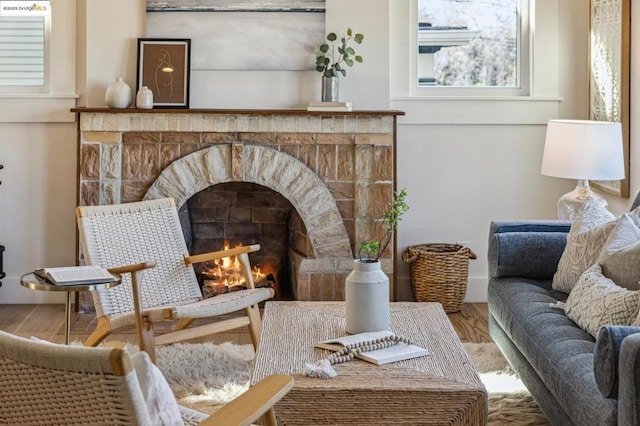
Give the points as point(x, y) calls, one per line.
point(118, 94)
point(144, 98)
point(367, 298)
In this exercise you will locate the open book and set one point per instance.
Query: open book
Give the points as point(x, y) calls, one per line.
point(397, 352)
point(75, 275)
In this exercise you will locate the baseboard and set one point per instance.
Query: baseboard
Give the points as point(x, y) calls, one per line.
point(476, 290)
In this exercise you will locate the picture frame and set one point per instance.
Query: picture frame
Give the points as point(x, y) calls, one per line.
point(609, 76)
point(164, 67)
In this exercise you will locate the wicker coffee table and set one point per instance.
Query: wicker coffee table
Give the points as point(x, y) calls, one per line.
point(439, 389)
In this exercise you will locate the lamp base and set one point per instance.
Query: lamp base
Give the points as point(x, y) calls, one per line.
point(572, 202)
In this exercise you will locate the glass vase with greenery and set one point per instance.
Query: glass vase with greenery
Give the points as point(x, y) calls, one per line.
point(333, 56)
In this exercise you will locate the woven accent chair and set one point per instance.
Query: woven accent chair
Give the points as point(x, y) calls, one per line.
point(147, 233)
point(48, 384)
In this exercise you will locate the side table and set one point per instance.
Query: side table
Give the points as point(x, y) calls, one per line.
point(34, 282)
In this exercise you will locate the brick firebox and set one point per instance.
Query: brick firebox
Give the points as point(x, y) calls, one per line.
point(336, 169)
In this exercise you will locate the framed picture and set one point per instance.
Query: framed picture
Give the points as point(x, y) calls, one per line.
point(609, 72)
point(163, 66)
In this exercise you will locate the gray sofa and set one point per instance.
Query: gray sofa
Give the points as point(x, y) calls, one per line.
point(552, 355)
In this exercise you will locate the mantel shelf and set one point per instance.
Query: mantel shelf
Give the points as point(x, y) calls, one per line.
point(291, 111)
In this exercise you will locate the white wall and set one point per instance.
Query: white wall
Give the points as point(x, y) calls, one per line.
point(467, 162)
point(462, 166)
point(38, 151)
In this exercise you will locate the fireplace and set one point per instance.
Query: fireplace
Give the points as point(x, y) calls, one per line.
point(307, 186)
point(240, 213)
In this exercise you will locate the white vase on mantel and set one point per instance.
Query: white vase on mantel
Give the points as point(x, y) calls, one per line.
point(118, 94)
point(144, 98)
point(367, 298)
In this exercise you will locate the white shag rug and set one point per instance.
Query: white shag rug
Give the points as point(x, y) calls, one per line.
point(510, 403)
point(205, 376)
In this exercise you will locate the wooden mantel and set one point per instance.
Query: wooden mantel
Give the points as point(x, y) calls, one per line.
point(288, 111)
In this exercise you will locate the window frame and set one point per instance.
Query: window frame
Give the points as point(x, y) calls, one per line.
point(36, 89)
point(53, 102)
point(524, 58)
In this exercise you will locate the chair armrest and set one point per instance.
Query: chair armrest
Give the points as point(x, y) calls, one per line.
point(529, 249)
point(629, 381)
point(145, 342)
point(251, 405)
point(132, 268)
point(197, 258)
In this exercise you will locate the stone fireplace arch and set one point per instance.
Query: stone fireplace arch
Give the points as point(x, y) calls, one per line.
point(268, 167)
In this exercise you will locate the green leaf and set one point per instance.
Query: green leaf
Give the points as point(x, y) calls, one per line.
point(340, 51)
point(329, 73)
point(327, 61)
point(324, 48)
point(343, 72)
point(358, 58)
point(349, 32)
point(358, 38)
point(350, 51)
point(320, 68)
point(332, 37)
point(348, 62)
point(337, 67)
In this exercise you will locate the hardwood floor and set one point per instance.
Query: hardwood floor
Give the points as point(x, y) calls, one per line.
point(47, 322)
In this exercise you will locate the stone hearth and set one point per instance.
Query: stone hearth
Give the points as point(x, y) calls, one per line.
point(336, 170)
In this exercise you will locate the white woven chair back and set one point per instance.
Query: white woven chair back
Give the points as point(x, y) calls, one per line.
point(47, 384)
point(117, 235)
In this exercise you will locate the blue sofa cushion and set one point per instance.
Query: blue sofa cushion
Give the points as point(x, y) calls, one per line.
point(605, 361)
point(542, 249)
point(559, 351)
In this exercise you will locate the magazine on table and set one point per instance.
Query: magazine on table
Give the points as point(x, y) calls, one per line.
point(75, 275)
point(397, 352)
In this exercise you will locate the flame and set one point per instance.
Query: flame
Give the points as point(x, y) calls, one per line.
point(227, 272)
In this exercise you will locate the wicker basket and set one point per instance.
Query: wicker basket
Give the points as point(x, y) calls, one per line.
point(439, 273)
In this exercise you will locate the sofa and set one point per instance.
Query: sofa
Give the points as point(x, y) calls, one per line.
point(553, 356)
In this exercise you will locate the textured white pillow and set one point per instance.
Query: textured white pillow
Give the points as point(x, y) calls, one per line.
point(596, 301)
point(161, 404)
point(620, 256)
point(589, 231)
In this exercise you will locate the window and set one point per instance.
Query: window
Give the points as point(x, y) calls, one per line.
point(23, 35)
point(473, 45)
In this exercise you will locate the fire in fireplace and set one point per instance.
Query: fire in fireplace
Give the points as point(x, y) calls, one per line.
point(226, 275)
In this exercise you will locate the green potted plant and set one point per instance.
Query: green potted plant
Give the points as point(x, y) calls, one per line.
point(367, 286)
point(332, 58)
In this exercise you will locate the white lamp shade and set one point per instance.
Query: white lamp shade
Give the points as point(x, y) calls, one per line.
point(583, 149)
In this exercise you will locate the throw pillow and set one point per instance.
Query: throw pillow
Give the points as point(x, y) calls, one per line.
point(597, 301)
point(620, 255)
point(158, 397)
point(588, 233)
point(606, 354)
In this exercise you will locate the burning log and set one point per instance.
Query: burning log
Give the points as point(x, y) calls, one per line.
point(214, 287)
point(227, 274)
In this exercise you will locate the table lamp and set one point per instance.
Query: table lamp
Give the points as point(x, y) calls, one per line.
point(582, 150)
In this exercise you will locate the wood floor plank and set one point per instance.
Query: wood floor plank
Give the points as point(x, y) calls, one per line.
point(470, 324)
point(44, 322)
point(12, 316)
